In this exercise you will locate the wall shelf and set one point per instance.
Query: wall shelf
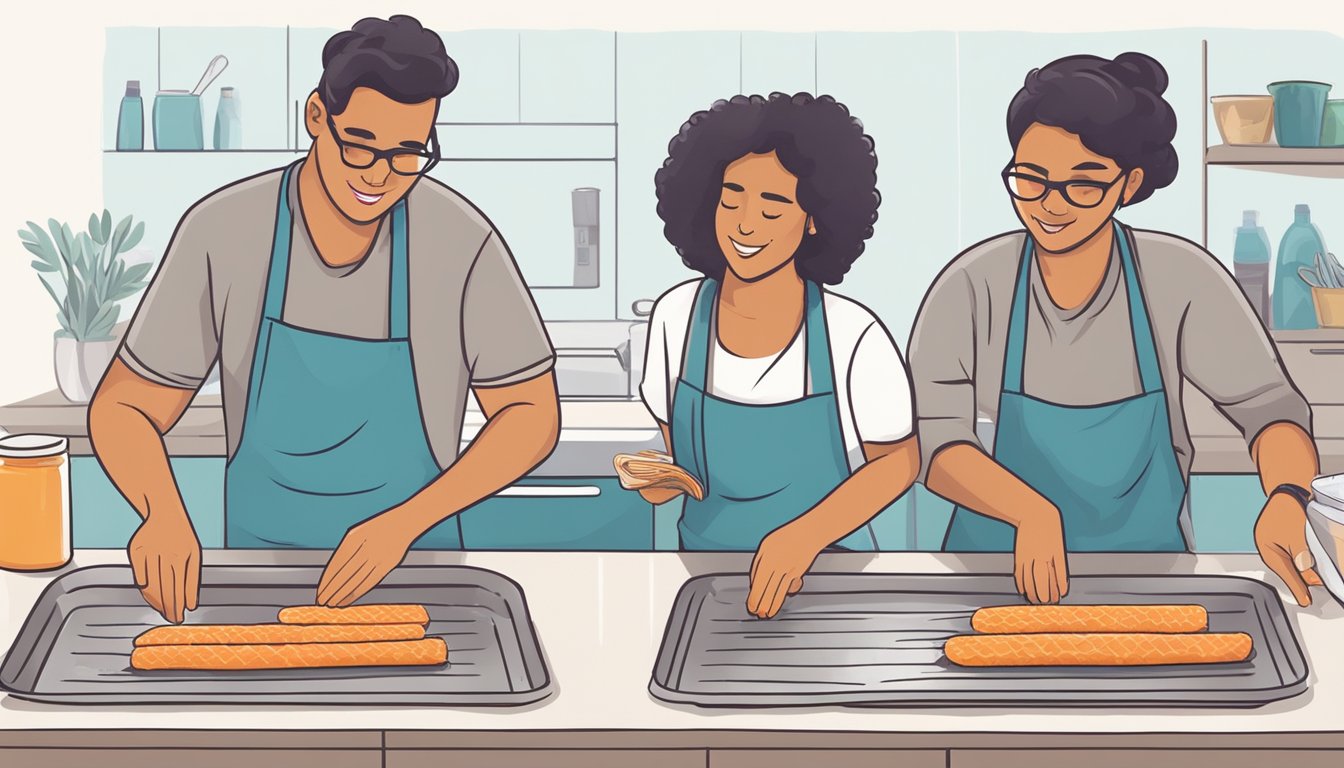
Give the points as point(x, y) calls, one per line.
point(1324, 162)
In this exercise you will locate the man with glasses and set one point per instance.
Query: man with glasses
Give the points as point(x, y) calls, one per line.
point(351, 304)
point(1073, 336)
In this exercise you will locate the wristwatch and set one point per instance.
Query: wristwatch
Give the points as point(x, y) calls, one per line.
point(1302, 495)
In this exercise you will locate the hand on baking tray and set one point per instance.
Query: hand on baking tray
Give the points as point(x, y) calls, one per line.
point(1040, 569)
point(1281, 538)
point(777, 570)
point(165, 557)
point(366, 555)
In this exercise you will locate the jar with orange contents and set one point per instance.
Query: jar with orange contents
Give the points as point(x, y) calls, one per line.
point(34, 503)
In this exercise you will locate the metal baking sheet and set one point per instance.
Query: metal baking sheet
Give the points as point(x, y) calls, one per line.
point(877, 640)
point(75, 646)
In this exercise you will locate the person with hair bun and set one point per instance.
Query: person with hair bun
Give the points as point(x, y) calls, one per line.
point(1073, 337)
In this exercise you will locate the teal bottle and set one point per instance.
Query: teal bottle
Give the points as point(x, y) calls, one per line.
point(1250, 263)
point(1293, 306)
point(131, 119)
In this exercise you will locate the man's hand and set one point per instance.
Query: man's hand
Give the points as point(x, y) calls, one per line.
point(1040, 570)
point(777, 570)
point(366, 555)
point(1281, 538)
point(165, 557)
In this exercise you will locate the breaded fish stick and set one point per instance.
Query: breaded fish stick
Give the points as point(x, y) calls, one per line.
point(1023, 619)
point(291, 656)
point(355, 614)
point(276, 634)
point(1096, 649)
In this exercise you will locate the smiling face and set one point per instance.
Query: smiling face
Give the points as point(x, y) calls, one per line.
point(371, 120)
point(758, 223)
point(1057, 224)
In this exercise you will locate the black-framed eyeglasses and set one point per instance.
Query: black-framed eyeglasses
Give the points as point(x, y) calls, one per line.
point(1083, 193)
point(402, 160)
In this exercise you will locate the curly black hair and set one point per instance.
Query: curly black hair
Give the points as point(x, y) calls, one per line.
point(816, 140)
point(1114, 106)
point(397, 57)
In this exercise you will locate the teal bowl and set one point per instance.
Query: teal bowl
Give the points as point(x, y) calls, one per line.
point(1299, 109)
point(1332, 126)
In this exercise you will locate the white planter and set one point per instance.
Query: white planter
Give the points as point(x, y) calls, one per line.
point(80, 365)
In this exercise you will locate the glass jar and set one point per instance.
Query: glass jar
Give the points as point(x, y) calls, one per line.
point(34, 503)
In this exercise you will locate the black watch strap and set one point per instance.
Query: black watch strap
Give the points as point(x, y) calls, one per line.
point(1302, 495)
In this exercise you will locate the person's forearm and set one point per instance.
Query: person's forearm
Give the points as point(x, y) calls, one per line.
point(131, 450)
point(511, 444)
point(1285, 453)
point(964, 475)
point(862, 495)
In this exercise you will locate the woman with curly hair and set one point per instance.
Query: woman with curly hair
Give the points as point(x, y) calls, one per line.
point(790, 403)
point(1074, 335)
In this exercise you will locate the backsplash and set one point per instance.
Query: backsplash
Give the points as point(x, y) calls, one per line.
point(540, 114)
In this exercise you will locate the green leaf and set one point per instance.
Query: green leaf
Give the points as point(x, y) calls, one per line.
point(50, 291)
point(38, 251)
point(27, 237)
point(119, 237)
point(44, 243)
point(65, 324)
point(106, 314)
point(107, 224)
point(96, 229)
point(135, 274)
point(134, 238)
point(42, 266)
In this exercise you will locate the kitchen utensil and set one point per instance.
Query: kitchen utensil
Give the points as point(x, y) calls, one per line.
point(1329, 303)
point(1291, 299)
point(1250, 263)
point(75, 645)
point(1332, 124)
point(34, 503)
point(1299, 107)
point(212, 71)
point(1244, 120)
point(877, 640)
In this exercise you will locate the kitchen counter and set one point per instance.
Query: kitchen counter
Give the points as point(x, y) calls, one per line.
point(600, 618)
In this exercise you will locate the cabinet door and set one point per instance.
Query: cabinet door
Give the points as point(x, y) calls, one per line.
point(104, 519)
point(1148, 758)
point(547, 758)
point(561, 514)
point(567, 77)
point(811, 758)
point(196, 758)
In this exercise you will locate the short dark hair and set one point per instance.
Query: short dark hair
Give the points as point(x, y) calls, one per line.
point(1114, 106)
point(397, 57)
point(815, 139)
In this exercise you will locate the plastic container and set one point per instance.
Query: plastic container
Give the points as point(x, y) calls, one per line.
point(177, 121)
point(1250, 263)
point(1325, 531)
point(34, 503)
point(1299, 106)
point(1293, 306)
point(1244, 120)
point(228, 121)
point(131, 119)
point(1332, 125)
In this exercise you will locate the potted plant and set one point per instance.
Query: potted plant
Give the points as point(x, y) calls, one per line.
point(87, 276)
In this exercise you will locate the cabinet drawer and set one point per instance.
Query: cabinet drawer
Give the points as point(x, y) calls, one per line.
point(1317, 369)
point(1148, 758)
point(196, 758)
point(811, 758)
point(561, 513)
point(545, 758)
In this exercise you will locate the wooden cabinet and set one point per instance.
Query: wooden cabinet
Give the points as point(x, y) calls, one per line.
point(195, 758)
point(545, 758)
point(1148, 758)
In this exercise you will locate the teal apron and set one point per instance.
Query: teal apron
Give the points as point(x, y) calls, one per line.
point(761, 465)
point(1110, 469)
point(333, 432)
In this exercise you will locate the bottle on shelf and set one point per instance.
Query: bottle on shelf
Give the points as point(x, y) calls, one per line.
point(131, 119)
point(1293, 305)
point(1250, 264)
point(228, 121)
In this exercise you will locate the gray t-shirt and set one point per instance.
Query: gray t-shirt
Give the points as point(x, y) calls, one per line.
point(1205, 330)
point(472, 320)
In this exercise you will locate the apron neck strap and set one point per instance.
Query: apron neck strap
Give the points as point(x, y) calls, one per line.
point(277, 276)
point(700, 338)
point(1145, 347)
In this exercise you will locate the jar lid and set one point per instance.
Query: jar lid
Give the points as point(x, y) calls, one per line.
point(31, 446)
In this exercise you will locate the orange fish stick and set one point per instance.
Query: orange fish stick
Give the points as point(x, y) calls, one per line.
point(425, 652)
point(1021, 619)
point(355, 614)
point(275, 634)
point(1095, 649)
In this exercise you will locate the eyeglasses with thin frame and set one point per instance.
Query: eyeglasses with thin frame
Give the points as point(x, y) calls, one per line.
point(1083, 193)
point(403, 161)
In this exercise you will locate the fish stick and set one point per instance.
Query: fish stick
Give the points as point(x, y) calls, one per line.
point(275, 634)
point(355, 614)
point(429, 651)
point(1022, 619)
point(1096, 649)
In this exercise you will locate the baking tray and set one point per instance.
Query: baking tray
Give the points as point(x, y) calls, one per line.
point(877, 640)
point(75, 646)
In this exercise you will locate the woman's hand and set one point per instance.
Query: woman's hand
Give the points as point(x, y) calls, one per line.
point(366, 555)
point(1040, 570)
point(1281, 538)
point(777, 570)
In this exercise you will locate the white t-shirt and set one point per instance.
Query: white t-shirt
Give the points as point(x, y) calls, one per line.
point(871, 380)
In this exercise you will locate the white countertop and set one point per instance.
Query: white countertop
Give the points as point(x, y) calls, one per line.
point(601, 617)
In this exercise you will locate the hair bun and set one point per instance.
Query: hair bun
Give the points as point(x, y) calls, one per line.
point(1139, 70)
